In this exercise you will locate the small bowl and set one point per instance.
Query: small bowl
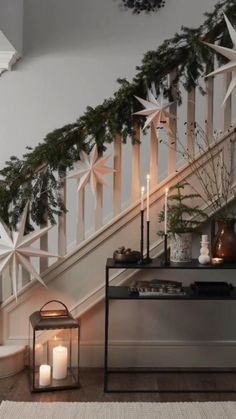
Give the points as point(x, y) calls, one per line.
point(131, 257)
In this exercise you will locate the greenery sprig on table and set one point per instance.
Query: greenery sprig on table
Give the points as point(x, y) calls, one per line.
point(180, 216)
point(214, 179)
point(35, 176)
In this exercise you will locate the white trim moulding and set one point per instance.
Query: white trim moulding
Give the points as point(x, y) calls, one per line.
point(8, 54)
point(7, 60)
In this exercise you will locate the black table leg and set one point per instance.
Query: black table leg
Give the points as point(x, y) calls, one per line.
point(106, 331)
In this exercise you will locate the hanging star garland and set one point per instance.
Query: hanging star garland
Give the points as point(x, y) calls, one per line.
point(156, 111)
point(231, 55)
point(15, 250)
point(91, 169)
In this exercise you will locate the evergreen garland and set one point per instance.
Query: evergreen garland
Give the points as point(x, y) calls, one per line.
point(35, 177)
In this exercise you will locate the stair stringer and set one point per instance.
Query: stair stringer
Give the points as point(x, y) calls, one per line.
point(79, 278)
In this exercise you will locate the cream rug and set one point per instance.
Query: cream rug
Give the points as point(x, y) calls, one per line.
point(197, 410)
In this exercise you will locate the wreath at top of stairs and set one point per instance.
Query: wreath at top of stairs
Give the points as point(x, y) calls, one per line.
point(147, 6)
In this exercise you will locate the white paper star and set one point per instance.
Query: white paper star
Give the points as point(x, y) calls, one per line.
point(155, 111)
point(231, 55)
point(15, 250)
point(91, 169)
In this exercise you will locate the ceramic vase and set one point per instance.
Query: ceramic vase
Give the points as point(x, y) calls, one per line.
point(181, 248)
point(224, 243)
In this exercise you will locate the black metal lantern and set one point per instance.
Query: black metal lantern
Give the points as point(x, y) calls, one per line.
point(54, 349)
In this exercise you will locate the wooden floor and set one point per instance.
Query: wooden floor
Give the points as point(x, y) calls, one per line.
point(17, 387)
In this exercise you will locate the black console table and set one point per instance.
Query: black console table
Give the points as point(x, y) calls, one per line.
point(121, 293)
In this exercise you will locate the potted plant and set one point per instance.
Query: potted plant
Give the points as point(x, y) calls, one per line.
point(182, 221)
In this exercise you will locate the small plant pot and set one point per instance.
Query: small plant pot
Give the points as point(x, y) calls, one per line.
point(181, 248)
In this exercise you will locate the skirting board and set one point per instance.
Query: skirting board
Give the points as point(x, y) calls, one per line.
point(185, 354)
point(171, 353)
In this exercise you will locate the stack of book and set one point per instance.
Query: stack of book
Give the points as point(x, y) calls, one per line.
point(156, 287)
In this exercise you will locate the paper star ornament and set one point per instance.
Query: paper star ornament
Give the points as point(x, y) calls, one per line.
point(91, 169)
point(156, 111)
point(15, 250)
point(231, 55)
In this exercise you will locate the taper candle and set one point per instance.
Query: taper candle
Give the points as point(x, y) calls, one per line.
point(165, 218)
point(148, 197)
point(142, 196)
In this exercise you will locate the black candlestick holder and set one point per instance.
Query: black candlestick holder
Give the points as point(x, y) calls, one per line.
point(166, 258)
point(148, 258)
point(141, 260)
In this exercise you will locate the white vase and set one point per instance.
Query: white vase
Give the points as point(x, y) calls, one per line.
point(181, 248)
point(204, 257)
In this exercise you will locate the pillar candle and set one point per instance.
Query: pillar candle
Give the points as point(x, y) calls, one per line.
point(165, 219)
point(59, 362)
point(142, 196)
point(148, 197)
point(44, 375)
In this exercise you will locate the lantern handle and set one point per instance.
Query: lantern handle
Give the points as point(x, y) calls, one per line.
point(55, 301)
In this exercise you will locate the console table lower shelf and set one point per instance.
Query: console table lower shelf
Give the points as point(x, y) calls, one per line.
point(121, 293)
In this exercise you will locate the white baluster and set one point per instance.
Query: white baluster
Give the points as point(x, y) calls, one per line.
point(228, 104)
point(136, 165)
point(209, 107)
point(190, 121)
point(117, 175)
point(153, 156)
point(80, 229)
point(173, 125)
point(62, 228)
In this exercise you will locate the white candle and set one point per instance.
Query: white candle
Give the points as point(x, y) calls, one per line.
point(165, 218)
point(44, 375)
point(148, 197)
point(217, 261)
point(59, 362)
point(142, 196)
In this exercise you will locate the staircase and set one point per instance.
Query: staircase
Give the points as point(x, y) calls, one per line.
point(77, 277)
